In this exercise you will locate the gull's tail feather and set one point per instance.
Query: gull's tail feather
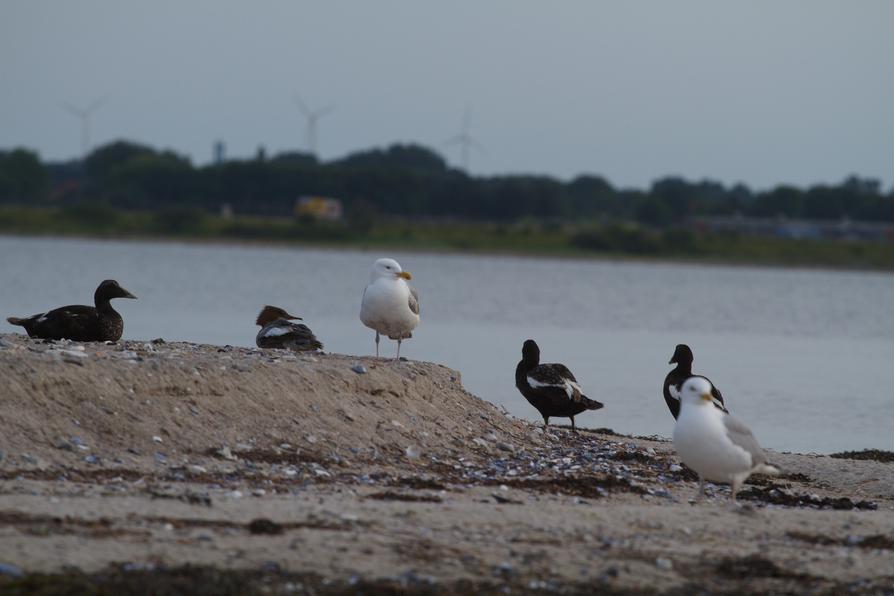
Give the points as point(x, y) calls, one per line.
point(766, 468)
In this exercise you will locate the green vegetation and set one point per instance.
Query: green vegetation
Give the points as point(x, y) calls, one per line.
point(525, 237)
point(406, 196)
point(408, 181)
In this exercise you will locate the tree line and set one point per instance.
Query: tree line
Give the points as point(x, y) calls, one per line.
point(407, 181)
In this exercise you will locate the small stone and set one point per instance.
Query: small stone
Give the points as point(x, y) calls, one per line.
point(91, 459)
point(675, 468)
point(10, 570)
point(160, 457)
point(157, 439)
point(663, 563)
point(258, 492)
point(412, 452)
point(157, 341)
point(235, 494)
point(359, 369)
point(225, 453)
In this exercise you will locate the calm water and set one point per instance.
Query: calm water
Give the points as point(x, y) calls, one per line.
point(806, 357)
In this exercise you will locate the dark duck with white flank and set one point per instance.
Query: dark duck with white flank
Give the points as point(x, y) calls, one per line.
point(80, 323)
point(551, 388)
point(674, 380)
point(278, 331)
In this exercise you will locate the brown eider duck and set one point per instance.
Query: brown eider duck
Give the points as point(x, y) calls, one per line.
point(277, 331)
point(80, 323)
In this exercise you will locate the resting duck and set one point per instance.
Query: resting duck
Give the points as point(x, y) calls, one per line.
point(80, 323)
point(277, 331)
point(683, 359)
point(551, 388)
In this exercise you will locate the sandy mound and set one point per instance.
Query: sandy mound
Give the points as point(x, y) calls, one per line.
point(199, 469)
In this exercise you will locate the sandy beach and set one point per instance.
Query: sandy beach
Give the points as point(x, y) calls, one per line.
point(204, 469)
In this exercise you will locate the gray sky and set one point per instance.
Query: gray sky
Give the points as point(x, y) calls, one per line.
point(759, 91)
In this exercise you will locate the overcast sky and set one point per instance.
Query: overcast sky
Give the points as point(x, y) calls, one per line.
point(761, 91)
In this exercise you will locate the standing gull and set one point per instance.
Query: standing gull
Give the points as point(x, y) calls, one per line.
point(278, 331)
point(683, 359)
point(715, 444)
point(551, 388)
point(390, 305)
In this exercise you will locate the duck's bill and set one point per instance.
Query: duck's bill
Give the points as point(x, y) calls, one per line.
point(127, 294)
point(405, 275)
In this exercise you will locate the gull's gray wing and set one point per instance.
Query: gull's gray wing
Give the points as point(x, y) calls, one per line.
point(413, 299)
point(741, 436)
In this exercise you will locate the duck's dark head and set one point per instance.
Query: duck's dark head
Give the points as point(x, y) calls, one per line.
point(110, 289)
point(682, 355)
point(269, 314)
point(530, 352)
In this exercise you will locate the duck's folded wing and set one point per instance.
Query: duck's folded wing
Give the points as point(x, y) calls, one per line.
point(555, 376)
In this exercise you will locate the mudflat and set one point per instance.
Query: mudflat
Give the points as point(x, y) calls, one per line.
point(184, 468)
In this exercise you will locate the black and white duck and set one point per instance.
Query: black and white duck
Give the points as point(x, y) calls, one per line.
point(278, 331)
point(551, 388)
point(80, 323)
point(674, 380)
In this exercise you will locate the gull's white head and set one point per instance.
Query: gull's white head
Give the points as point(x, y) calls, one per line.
point(389, 269)
point(696, 391)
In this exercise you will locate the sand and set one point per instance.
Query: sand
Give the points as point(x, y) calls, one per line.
point(206, 469)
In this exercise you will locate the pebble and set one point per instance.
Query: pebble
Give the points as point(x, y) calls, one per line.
point(412, 452)
point(359, 369)
point(663, 563)
point(10, 570)
point(157, 439)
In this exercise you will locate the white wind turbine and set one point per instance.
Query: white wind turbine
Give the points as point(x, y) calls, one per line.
point(312, 117)
point(84, 115)
point(465, 140)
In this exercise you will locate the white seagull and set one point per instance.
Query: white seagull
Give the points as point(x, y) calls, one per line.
point(390, 305)
point(715, 444)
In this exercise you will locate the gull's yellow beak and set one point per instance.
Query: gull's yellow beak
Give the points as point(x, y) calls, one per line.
point(405, 275)
point(707, 396)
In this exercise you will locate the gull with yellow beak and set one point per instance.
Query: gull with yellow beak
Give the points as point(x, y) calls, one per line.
point(715, 444)
point(390, 306)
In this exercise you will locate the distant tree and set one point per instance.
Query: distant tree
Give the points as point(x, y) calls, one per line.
point(782, 200)
point(102, 161)
point(22, 175)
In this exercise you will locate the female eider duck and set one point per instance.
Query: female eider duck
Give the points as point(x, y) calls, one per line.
point(277, 331)
point(390, 306)
point(683, 359)
point(80, 323)
point(551, 388)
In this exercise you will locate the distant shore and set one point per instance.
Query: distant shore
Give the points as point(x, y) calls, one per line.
point(147, 463)
point(615, 241)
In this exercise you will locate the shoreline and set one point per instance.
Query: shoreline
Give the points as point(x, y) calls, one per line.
point(609, 258)
point(153, 464)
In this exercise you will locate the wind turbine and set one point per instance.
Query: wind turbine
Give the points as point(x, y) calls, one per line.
point(84, 114)
point(312, 116)
point(465, 140)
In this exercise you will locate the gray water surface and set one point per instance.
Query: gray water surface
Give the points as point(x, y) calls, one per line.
point(806, 357)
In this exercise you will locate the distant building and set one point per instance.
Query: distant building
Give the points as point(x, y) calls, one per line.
point(325, 208)
point(220, 152)
point(782, 227)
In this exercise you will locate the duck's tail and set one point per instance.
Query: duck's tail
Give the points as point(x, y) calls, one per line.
point(591, 404)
